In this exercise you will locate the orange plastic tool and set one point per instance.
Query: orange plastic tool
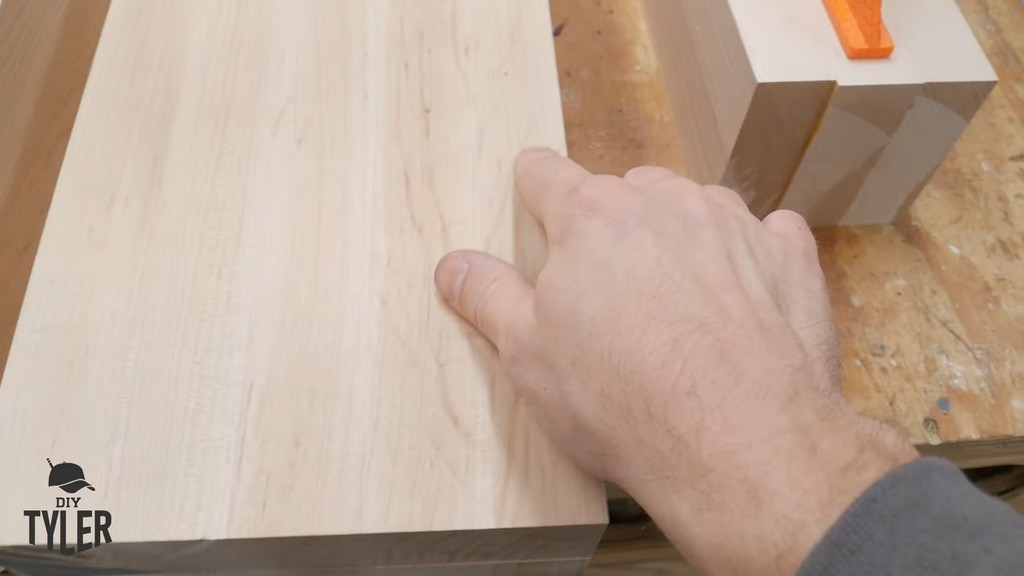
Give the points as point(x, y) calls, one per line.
point(860, 28)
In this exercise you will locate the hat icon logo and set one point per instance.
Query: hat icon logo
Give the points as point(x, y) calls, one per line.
point(68, 477)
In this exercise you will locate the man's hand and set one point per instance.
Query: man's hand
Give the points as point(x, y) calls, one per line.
point(684, 349)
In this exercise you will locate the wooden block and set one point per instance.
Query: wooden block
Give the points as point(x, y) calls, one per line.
point(838, 140)
point(870, 100)
point(956, 78)
point(231, 324)
point(743, 115)
point(855, 131)
point(46, 47)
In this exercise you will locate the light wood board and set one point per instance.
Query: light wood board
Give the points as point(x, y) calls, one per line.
point(231, 323)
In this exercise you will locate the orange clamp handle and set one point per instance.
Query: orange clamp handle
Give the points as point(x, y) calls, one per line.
point(860, 28)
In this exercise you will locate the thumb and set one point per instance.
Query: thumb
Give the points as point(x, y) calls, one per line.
point(487, 292)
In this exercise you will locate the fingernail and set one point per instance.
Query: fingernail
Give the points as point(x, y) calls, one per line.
point(456, 274)
point(539, 150)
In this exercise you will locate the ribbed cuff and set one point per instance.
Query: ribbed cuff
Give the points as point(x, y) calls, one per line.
point(922, 518)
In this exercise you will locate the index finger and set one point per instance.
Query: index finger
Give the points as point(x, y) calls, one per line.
point(544, 178)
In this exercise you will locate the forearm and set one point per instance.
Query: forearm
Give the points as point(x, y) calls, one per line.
point(923, 518)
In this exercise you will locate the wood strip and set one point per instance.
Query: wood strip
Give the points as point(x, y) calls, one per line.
point(776, 130)
point(231, 323)
point(708, 125)
point(473, 551)
point(819, 141)
point(1016, 500)
point(855, 131)
point(956, 79)
point(1001, 481)
point(889, 124)
point(870, 102)
point(939, 115)
point(46, 48)
point(742, 120)
point(553, 568)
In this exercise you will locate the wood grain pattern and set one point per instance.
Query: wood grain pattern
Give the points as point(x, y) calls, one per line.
point(46, 47)
point(929, 311)
point(231, 323)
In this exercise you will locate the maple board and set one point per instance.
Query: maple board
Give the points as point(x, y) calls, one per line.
point(231, 323)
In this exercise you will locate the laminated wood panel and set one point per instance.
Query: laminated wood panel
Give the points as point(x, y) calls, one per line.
point(231, 324)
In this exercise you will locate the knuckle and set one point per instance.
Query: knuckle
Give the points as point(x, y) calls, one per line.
point(597, 198)
point(566, 174)
point(789, 219)
point(795, 230)
point(580, 193)
point(650, 174)
point(716, 189)
point(606, 186)
point(789, 225)
point(727, 196)
point(698, 205)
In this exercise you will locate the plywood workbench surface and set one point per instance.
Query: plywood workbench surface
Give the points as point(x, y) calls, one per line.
point(931, 311)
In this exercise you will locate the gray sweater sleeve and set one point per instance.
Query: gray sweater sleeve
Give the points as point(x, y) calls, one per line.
point(922, 519)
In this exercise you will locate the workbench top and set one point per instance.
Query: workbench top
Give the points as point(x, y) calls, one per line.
point(930, 311)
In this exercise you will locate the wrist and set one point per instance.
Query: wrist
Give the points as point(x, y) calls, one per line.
point(759, 505)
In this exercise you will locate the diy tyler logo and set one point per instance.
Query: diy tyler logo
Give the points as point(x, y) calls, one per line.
point(90, 528)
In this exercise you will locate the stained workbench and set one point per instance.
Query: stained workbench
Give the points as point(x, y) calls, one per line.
point(930, 311)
